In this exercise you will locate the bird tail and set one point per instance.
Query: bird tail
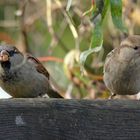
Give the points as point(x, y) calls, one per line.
point(54, 94)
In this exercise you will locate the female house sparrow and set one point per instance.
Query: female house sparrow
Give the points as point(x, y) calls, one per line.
point(23, 76)
point(122, 68)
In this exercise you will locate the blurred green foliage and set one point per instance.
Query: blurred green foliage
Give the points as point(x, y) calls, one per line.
point(46, 29)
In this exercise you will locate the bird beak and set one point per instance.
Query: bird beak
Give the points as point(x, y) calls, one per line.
point(4, 56)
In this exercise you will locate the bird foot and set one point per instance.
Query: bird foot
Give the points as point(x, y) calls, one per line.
point(43, 96)
point(112, 96)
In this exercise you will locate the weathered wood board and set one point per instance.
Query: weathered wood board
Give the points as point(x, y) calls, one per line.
point(58, 119)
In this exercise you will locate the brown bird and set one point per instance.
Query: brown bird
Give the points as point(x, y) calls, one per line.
point(122, 68)
point(23, 76)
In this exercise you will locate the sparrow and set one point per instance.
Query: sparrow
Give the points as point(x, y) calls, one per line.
point(122, 68)
point(23, 76)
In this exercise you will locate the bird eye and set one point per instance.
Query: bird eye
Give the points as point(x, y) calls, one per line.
point(136, 47)
point(15, 50)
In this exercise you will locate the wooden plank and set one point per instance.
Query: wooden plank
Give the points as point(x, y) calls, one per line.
point(58, 119)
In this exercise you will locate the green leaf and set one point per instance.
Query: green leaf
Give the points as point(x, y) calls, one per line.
point(97, 36)
point(116, 13)
point(96, 43)
point(85, 54)
point(105, 8)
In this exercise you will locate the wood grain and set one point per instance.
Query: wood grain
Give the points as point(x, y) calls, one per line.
point(58, 119)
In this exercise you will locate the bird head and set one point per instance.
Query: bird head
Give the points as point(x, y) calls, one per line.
point(10, 56)
point(130, 47)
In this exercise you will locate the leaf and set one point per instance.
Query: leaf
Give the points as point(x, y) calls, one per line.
point(85, 54)
point(96, 43)
point(97, 36)
point(116, 13)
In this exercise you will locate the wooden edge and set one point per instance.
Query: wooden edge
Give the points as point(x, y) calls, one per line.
point(33, 102)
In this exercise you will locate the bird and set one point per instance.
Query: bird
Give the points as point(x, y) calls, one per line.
point(23, 75)
point(121, 72)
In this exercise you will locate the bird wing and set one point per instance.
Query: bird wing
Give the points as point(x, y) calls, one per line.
point(108, 59)
point(39, 67)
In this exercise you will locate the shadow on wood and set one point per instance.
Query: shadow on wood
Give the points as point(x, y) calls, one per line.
point(58, 119)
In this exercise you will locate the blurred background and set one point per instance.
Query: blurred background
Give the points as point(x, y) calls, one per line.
point(44, 29)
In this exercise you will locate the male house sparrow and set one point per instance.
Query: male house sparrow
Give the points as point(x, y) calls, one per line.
point(122, 68)
point(23, 76)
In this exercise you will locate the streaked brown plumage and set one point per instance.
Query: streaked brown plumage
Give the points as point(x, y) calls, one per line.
point(23, 76)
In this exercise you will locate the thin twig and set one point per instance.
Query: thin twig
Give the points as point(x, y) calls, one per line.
point(71, 25)
point(55, 37)
point(25, 46)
